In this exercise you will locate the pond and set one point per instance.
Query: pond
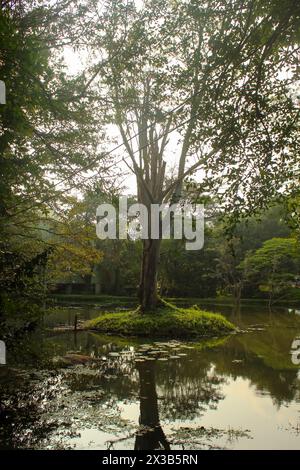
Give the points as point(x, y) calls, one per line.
point(66, 390)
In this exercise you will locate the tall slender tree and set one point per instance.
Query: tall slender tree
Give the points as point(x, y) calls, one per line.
point(222, 76)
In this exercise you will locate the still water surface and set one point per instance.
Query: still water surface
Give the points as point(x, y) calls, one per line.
point(87, 391)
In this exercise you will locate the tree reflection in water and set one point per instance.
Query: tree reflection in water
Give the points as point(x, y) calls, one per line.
point(150, 434)
point(48, 403)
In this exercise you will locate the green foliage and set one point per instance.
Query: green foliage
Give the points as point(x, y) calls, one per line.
point(275, 267)
point(232, 247)
point(47, 134)
point(177, 265)
point(235, 68)
point(216, 268)
point(292, 205)
point(224, 76)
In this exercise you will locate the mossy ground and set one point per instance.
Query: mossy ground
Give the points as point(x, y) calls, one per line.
point(167, 321)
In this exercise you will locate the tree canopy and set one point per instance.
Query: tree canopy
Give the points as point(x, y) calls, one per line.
point(173, 91)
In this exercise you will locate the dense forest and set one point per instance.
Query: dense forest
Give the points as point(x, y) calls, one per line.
point(260, 259)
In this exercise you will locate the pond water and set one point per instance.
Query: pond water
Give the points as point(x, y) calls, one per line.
point(61, 390)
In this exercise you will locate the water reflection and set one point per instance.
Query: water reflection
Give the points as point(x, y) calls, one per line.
point(150, 434)
point(88, 391)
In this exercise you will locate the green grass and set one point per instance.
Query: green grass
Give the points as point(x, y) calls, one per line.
point(168, 321)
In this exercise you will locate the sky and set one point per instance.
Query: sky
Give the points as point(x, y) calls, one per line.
point(75, 64)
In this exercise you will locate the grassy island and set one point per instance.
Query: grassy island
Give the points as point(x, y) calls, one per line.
point(167, 321)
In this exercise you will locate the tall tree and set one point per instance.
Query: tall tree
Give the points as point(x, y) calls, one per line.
point(220, 73)
point(49, 137)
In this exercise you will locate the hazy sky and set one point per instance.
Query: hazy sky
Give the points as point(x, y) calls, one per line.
point(75, 63)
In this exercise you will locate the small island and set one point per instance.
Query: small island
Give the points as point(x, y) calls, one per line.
point(166, 321)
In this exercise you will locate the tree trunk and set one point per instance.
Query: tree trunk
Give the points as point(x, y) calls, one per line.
point(148, 281)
